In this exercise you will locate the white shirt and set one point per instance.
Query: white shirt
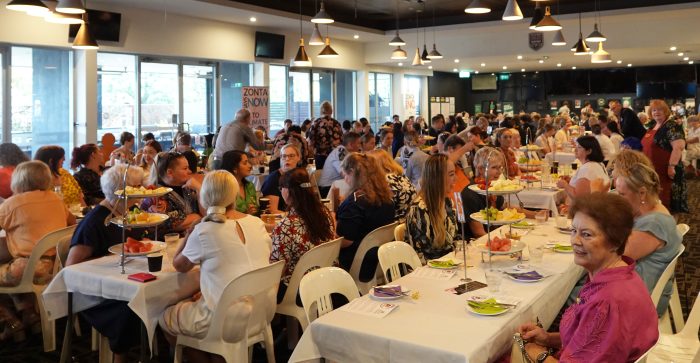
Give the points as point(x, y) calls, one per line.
point(544, 142)
point(331, 169)
point(616, 141)
point(590, 171)
point(606, 146)
point(412, 160)
point(561, 137)
point(223, 256)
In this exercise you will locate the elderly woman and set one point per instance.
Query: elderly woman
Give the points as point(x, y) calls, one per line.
point(614, 300)
point(307, 225)
point(10, 156)
point(54, 156)
point(236, 162)
point(431, 224)
point(592, 171)
point(92, 239)
point(504, 141)
point(292, 136)
point(412, 158)
point(89, 159)
point(290, 157)
point(663, 144)
point(404, 194)
point(33, 211)
point(172, 171)
point(654, 241)
point(226, 244)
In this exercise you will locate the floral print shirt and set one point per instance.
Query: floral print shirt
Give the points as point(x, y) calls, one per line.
point(290, 241)
point(404, 194)
point(179, 203)
point(325, 134)
point(419, 230)
point(89, 182)
point(72, 194)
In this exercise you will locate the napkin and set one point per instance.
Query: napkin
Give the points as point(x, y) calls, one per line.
point(388, 291)
point(489, 306)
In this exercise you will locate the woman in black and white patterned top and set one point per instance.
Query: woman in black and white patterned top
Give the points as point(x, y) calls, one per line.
point(404, 194)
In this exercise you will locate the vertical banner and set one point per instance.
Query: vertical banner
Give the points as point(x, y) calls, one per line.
point(257, 101)
point(409, 104)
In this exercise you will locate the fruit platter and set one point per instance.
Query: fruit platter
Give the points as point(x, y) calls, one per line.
point(494, 216)
point(497, 187)
point(140, 218)
point(501, 246)
point(134, 247)
point(144, 192)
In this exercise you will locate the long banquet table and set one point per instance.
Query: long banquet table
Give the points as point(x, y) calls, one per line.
point(437, 327)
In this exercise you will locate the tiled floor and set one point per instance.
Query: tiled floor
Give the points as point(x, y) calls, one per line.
point(688, 277)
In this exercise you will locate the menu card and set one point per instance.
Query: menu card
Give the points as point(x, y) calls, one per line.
point(369, 307)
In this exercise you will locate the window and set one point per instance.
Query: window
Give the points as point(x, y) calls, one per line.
point(234, 76)
point(345, 87)
point(198, 99)
point(322, 88)
point(40, 97)
point(2, 94)
point(379, 98)
point(411, 94)
point(278, 96)
point(160, 101)
point(116, 94)
point(299, 96)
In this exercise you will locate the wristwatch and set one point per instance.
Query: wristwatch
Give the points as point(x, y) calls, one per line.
point(542, 356)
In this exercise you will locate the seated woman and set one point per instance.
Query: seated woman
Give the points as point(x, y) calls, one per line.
point(290, 157)
point(225, 248)
point(10, 156)
point(54, 156)
point(292, 136)
point(504, 141)
point(172, 171)
point(33, 211)
point(366, 208)
point(404, 194)
point(654, 241)
point(307, 225)
point(412, 158)
point(546, 140)
point(148, 158)
point(92, 239)
point(91, 162)
point(590, 173)
point(236, 162)
point(431, 224)
point(455, 149)
point(613, 303)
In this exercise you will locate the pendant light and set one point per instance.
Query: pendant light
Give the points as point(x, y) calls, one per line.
point(580, 48)
point(417, 61)
point(397, 41)
point(316, 37)
point(301, 59)
point(399, 53)
point(424, 55)
point(327, 51)
point(512, 11)
point(27, 5)
point(601, 56)
point(58, 18)
point(559, 39)
point(41, 12)
point(548, 24)
point(537, 16)
point(70, 6)
point(322, 17)
point(84, 38)
point(477, 7)
point(596, 36)
point(434, 54)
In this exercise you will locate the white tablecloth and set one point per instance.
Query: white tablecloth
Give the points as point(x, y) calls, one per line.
point(93, 281)
point(562, 157)
point(538, 198)
point(437, 326)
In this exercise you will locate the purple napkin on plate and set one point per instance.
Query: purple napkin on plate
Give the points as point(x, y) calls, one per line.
point(387, 291)
point(526, 276)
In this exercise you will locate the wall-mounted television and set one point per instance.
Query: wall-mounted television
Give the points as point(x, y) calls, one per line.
point(650, 90)
point(269, 45)
point(484, 82)
point(104, 25)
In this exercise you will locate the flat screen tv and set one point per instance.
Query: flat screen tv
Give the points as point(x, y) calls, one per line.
point(650, 90)
point(269, 45)
point(484, 82)
point(104, 26)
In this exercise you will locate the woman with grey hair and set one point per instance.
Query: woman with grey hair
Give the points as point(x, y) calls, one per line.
point(226, 244)
point(33, 211)
point(94, 235)
point(10, 156)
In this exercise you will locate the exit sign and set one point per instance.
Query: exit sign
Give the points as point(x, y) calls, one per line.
point(504, 76)
point(465, 74)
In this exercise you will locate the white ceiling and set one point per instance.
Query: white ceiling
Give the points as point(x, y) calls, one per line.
point(639, 37)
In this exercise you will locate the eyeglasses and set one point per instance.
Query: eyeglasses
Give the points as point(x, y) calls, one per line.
point(288, 156)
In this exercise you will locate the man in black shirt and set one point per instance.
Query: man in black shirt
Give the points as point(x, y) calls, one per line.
point(629, 122)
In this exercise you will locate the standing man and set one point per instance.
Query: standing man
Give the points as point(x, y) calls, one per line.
point(629, 122)
point(235, 136)
point(325, 134)
point(437, 125)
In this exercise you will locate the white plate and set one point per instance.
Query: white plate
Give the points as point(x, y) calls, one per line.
point(524, 281)
point(149, 195)
point(456, 265)
point(157, 247)
point(561, 251)
point(564, 230)
point(529, 226)
point(515, 247)
point(477, 217)
point(154, 220)
point(469, 308)
point(475, 188)
point(384, 298)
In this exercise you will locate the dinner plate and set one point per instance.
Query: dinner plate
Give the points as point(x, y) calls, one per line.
point(385, 298)
point(153, 220)
point(145, 195)
point(529, 225)
point(563, 249)
point(451, 267)
point(515, 247)
point(565, 230)
point(495, 313)
point(479, 218)
point(157, 247)
point(475, 188)
point(525, 279)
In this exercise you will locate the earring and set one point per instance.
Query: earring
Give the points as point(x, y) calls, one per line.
point(644, 202)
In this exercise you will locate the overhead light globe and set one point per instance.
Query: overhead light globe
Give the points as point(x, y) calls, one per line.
point(424, 55)
point(434, 54)
point(581, 48)
point(322, 17)
point(399, 53)
point(537, 16)
point(70, 6)
point(302, 59)
point(512, 11)
point(477, 7)
point(84, 38)
point(596, 36)
point(327, 51)
point(548, 24)
point(316, 38)
point(601, 56)
point(559, 40)
point(27, 5)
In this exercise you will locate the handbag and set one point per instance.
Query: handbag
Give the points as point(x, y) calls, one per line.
point(518, 353)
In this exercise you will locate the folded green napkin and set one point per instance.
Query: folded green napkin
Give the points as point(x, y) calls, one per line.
point(489, 306)
point(564, 248)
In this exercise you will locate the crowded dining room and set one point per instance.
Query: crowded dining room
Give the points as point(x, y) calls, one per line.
point(472, 181)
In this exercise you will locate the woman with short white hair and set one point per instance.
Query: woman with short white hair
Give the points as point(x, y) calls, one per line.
point(226, 244)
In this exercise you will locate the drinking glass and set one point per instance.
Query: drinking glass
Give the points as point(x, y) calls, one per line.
point(493, 280)
point(536, 249)
point(541, 216)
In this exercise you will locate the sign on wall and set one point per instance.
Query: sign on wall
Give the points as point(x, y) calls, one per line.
point(257, 101)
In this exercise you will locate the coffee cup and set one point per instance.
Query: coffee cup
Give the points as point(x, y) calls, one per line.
point(155, 262)
point(264, 203)
point(171, 238)
point(261, 169)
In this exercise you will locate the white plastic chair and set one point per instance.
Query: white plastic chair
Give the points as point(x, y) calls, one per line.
point(665, 276)
point(317, 286)
point(26, 284)
point(674, 304)
point(322, 255)
point(681, 347)
point(373, 239)
point(400, 232)
point(392, 254)
point(242, 316)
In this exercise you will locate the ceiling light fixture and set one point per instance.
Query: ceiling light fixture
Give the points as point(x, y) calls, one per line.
point(558, 64)
point(417, 61)
point(673, 49)
point(512, 11)
point(455, 70)
point(253, 19)
point(574, 67)
point(356, 36)
point(541, 61)
point(505, 67)
point(27, 5)
point(400, 64)
point(559, 39)
point(477, 7)
point(483, 64)
point(424, 55)
point(301, 59)
point(41, 12)
point(397, 41)
point(686, 58)
point(690, 62)
point(70, 6)
point(548, 24)
point(619, 62)
point(399, 53)
point(430, 67)
point(681, 54)
point(596, 36)
point(537, 16)
point(601, 56)
point(522, 69)
point(434, 54)
point(327, 51)
point(580, 48)
point(316, 37)
point(519, 56)
point(84, 38)
point(629, 64)
point(58, 18)
point(322, 17)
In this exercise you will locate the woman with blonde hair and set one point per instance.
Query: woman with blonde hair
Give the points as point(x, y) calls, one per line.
point(431, 224)
point(404, 194)
point(367, 207)
point(663, 144)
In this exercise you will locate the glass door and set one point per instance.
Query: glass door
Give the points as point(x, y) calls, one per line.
point(322, 88)
point(299, 96)
point(198, 96)
point(160, 100)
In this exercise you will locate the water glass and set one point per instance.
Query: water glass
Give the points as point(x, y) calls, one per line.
point(562, 221)
point(536, 250)
point(541, 216)
point(171, 238)
point(493, 280)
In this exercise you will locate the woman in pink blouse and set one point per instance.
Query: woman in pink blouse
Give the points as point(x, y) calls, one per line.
point(307, 225)
point(613, 319)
